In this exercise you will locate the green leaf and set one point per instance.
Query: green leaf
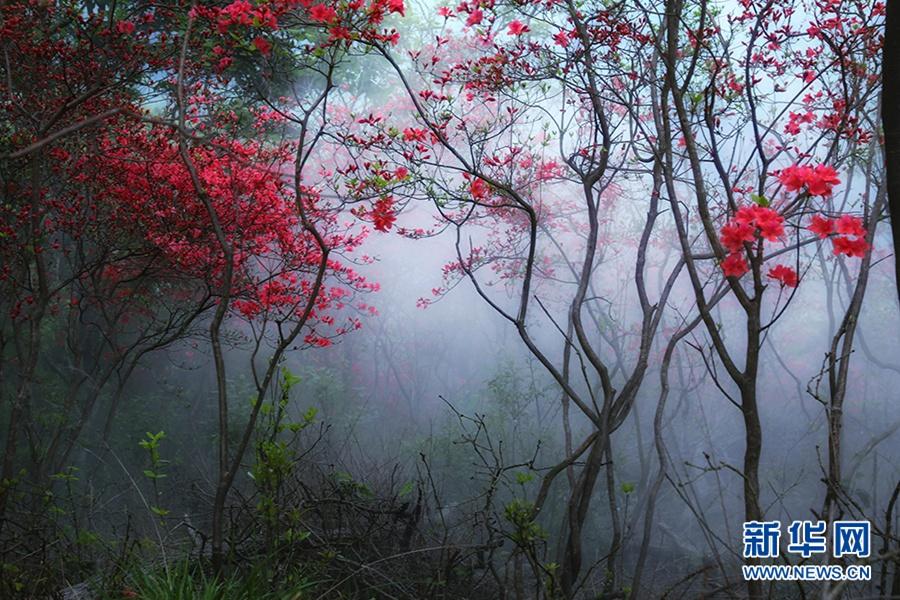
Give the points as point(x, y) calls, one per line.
point(760, 200)
point(523, 478)
point(296, 536)
point(290, 380)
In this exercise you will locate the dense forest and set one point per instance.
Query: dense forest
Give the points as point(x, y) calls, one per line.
point(497, 299)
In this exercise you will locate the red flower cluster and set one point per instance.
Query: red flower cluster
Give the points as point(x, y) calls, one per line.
point(849, 235)
point(322, 13)
point(480, 189)
point(798, 119)
point(821, 227)
point(747, 223)
point(413, 134)
point(785, 275)
point(818, 180)
point(345, 22)
point(147, 194)
point(734, 265)
point(516, 27)
point(383, 216)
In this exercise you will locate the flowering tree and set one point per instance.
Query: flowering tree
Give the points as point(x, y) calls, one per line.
point(62, 261)
point(313, 42)
point(135, 199)
point(729, 131)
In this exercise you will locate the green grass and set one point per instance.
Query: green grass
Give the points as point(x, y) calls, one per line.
point(190, 582)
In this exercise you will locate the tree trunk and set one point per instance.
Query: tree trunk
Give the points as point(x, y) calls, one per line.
point(752, 431)
point(890, 119)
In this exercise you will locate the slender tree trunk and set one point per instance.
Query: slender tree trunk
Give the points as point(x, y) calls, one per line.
point(752, 429)
point(839, 369)
point(752, 452)
point(579, 501)
point(24, 389)
point(612, 579)
point(224, 480)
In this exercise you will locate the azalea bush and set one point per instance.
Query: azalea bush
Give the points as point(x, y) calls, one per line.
point(143, 209)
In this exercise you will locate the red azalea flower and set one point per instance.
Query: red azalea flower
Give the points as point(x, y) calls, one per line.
point(561, 38)
point(794, 177)
point(793, 128)
point(745, 214)
point(411, 134)
point(475, 17)
point(821, 180)
point(818, 180)
point(850, 225)
point(322, 13)
point(383, 216)
point(734, 265)
point(383, 222)
point(785, 275)
point(853, 247)
point(822, 227)
point(771, 230)
point(735, 234)
point(396, 6)
point(748, 219)
point(517, 28)
point(339, 33)
point(262, 45)
point(769, 222)
point(480, 189)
